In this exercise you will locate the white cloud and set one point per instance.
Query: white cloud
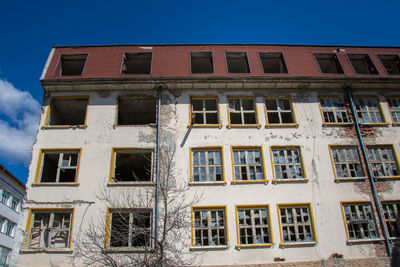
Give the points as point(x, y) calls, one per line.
point(17, 131)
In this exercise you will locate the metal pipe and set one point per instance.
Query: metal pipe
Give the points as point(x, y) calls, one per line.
point(371, 176)
point(157, 167)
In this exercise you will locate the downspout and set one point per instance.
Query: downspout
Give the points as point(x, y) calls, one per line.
point(370, 176)
point(157, 167)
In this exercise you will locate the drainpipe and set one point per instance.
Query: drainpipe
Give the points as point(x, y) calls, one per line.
point(370, 176)
point(157, 167)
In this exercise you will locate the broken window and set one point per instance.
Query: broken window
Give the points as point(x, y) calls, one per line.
point(359, 220)
point(391, 63)
point(209, 227)
point(287, 163)
point(242, 111)
point(207, 165)
point(50, 229)
point(132, 165)
point(137, 63)
point(368, 110)
point(237, 62)
point(72, 64)
point(394, 107)
point(130, 228)
point(362, 64)
point(204, 110)
point(329, 63)
point(296, 223)
point(136, 110)
point(67, 111)
point(253, 225)
point(391, 211)
point(201, 62)
point(59, 166)
point(279, 111)
point(273, 62)
point(383, 161)
point(334, 110)
point(347, 162)
point(247, 164)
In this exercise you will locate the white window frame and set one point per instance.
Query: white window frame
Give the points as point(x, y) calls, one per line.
point(60, 166)
point(210, 166)
point(366, 110)
point(280, 110)
point(204, 112)
point(242, 112)
point(335, 106)
point(394, 108)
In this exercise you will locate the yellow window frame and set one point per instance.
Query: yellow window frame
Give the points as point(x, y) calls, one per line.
point(192, 124)
point(47, 117)
point(333, 163)
point(275, 180)
point(264, 180)
point(206, 148)
point(230, 125)
point(293, 113)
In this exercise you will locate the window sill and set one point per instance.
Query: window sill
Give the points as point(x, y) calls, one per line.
point(55, 184)
point(250, 182)
point(288, 181)
point(298, 244)
point(377, 124)
point(63, 127)
point(337, 124)
point(364, 241)
point(127, 250)
point(377, 179)
point(47, 250)
point(207, 183)
point(135, 125)
point(355, 179)
point(258, 126)
point(112, 184)
point(282, 125)
point(396, 124)
point(208, 248)
point(238, 247)
point(204, 126)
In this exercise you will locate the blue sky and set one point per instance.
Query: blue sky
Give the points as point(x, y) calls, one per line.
point(29, 28)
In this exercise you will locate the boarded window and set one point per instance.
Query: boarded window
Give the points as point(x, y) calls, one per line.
point(329, 63)
point(273, 62)
point(72, 64)
point(137, 63)
point(67, 111)
point(132, 166)
point(136, 110)
point(201, 62)
point(362, 64)
point(237, 62)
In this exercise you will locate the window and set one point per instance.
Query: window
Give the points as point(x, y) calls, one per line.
point(4, 252)
point(334, 110)
point(362, 64)
point(50, 229)
point(329, 63)
point(237, 62)
point(131, 165)
point(137, 63)
point(209, 227)
point(201, 62)
point(391, 63)
point(383, 161)
point(9, 229)
point(394, 107)
point(207, 165)
point(130, 228)
point(368, 110)
point(2, 224)
point(248, 164)
point(347, 162)
point(392, 218)
point(59, 166)
point(72, 65)
point(5, 196)
point(136, 110)
point(296, 223)
point(273, 62)
point(279, 111)
point(359, 221)
point(242, 111)
point(287, 163)
point(67, 111)
point(15, 204)
point(204, 111)
point(253, 225)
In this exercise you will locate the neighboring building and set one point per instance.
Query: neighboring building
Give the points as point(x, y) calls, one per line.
point(266, 132)
point(12, 193)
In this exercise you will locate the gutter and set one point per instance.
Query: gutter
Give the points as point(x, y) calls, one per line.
point(157, 167)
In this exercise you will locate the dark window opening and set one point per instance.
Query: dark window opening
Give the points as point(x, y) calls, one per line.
point(72, 64)
point(362, 64)
point(67, 111)
point(237, 62)
point(391, 63)
point(136, 110)
point(132, 166)
point(201, 62)
point(329, 63)
point(59, 167)
point(204, 111)
point(137, 63)
point(273, 63)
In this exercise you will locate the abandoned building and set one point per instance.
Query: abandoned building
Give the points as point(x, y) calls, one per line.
point(294, 148)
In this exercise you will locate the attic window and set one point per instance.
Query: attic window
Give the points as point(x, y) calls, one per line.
point(201, 62)
point(237, 62)
point(72, 64)
point(137, 63)
point(273, 62)
point(136, 110)
point(391, 63)
point(329, 63)
point(132, 165)
point(362, 64)
point(67, 111)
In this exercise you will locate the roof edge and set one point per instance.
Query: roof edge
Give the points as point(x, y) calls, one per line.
point(18, 181)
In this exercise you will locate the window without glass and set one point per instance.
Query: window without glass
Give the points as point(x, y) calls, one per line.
point(242, 111)
point(362, 64)
point(334, 110)
point(72, 64)
point(287, 163)
point(67, 111)
point(237, 62)
point(368, 110)
point(137, 63)
point(201, 62)
point(394, 106)
point(329, 63)
point(130, 228)
point(59, 166)
point(50, 229)
point(347, 162)
point(391, 63)
point(273, 62)
point(296, 224)
point(4, 252)
point(209, 228)
point(391, 211)
point(204, 111)
point(383, 161)
point(359, 220)
point(247, 164)
point(132, 165)
point(279, 111)
point(207, 165)
point(136, 110)
point(253, 226)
